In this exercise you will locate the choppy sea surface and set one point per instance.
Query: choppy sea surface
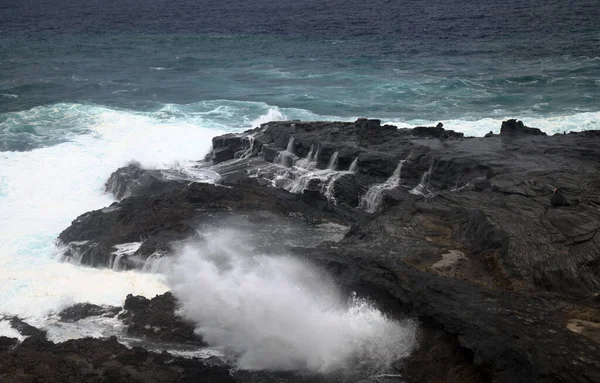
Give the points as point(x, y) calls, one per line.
point(87, 86)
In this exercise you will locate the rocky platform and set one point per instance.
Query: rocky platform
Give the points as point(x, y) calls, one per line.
point(492, 243)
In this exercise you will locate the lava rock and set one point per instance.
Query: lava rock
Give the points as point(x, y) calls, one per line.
point(559, 198)
point(156, 319)
point(514, 127)
point(85, 310)
point(132, 180)
point(7, 343)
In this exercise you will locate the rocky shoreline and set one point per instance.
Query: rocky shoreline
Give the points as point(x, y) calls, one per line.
point(491, 243)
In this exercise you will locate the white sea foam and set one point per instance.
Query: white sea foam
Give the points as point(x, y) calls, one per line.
point(7, 330)
point(278, 312)
point(274, 114)
point(43, 190)
point(550, 125)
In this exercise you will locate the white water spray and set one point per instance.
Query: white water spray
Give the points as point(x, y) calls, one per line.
point(278, 312)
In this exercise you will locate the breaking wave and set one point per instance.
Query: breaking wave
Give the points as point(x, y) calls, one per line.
point(278, 312)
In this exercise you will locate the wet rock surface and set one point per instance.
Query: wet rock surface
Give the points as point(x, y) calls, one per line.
point(86, 310)
point(155, 319)
point(131, 180)
point(161, 221)
point(492, 243)
point(106, 360)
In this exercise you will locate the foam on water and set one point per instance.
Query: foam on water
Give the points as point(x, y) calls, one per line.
point(479, 127)
point(274, 114)
point(7, 330)
point(43, 190)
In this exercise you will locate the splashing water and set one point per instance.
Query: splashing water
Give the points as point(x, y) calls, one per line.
point(279, 312)
point(273, 114)
point(372, 201)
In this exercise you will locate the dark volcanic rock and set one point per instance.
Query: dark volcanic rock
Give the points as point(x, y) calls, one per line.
point(496, 188)
point(436, 132)
point(225, 147)
point(510, 337)
point(25, 328)
point(95, 360)
point(559, 198)
point(514, 127)
point(132, 180)
point(156, 319)
point(85, 310)
point(7, 343)
point(159, 221)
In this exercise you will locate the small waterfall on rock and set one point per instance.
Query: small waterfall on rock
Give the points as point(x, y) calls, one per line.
point(374, 197)
point(310, 162)
point(286, 157)
point(329, 190)
point(424, 187)
point(353, 166)
point(290, 145)
point(123, 250)
point(333, 162)
point(248, 151)
point(157, 263)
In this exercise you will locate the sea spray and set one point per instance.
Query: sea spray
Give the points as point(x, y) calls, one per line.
point(273, 114)
point(278, 312)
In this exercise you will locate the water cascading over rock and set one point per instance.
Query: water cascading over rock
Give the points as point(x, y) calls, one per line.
point(372, 200)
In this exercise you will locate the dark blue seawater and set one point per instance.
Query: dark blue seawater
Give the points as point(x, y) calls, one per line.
point(457, 61)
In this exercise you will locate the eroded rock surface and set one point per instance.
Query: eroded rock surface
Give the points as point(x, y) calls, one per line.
point(156, 319)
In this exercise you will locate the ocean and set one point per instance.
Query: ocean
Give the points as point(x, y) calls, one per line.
point(88, 86)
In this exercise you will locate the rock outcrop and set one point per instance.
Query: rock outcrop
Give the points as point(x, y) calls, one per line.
point(155, 319)
point(492, 243)
point(86, 310)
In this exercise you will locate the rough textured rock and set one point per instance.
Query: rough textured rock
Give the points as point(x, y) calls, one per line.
point(25, 328)
point(156, 319)
point(95, 360)
point(162, 220)
point(7, 343)
point(510, 337)
point(514, 127)
point(499, 192)
point(132, 180)
point(85, 310)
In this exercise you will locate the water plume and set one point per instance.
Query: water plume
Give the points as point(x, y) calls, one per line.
point(278, 312)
